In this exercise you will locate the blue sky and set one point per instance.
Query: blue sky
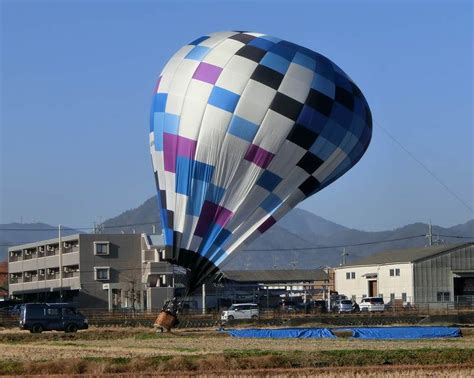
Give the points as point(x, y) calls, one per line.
point(77, 80)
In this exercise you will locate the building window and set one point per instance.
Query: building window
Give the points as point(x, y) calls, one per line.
point(353, 297)
point(101, 248)
point(443, 296)
point(102, 273)
point(348, 276)
point(392, 297)
point(404, 297)
point(397, 272)
point(392, 272)
point(353, 275)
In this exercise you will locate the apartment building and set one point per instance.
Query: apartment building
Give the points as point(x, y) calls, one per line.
point(108, 271)
point(161, 279)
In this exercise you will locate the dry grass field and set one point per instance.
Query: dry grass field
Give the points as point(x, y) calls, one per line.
point(140, 351)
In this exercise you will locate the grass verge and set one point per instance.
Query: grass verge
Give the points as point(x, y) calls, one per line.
point(241, 360)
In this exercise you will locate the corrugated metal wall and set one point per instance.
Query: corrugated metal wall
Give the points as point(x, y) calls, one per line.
point(434, 275)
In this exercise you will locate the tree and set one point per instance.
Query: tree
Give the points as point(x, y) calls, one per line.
point(4, 275)
point(134, 281)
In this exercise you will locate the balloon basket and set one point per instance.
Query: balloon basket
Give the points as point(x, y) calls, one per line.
point(166, 320)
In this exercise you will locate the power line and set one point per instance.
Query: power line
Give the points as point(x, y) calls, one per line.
point(448, 189)
point(77, 228)
point(318, 247)
point(338, 246)
point(326, 246)
point(456, 236)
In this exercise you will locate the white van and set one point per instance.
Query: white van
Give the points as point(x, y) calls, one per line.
point(241, 311)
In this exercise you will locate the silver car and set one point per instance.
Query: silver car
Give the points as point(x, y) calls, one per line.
point(241, 311)
point(343, 305)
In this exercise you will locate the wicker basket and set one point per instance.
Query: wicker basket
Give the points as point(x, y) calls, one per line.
point(166, 320)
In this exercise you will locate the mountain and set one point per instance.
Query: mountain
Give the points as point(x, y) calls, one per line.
point(300, 240)
point(20, 233)
point(303, 222)
point(142, 218)
point(462, 229)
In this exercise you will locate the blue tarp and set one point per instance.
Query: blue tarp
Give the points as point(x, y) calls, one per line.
point(284, 333)
point(360, 333)
point(404, 332)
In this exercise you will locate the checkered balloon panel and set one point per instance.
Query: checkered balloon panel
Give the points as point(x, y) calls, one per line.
point(244, 126)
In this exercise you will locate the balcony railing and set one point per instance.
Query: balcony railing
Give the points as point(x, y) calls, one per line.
point(14, 258)
point(32, 278)
point(29, 256)
point(70, 274)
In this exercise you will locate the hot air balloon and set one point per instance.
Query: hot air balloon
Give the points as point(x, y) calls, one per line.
point(243, 127)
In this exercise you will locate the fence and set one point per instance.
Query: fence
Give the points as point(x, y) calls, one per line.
point(449, 312)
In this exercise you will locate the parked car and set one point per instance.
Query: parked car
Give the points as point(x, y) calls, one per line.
point(39, 317)
point(341, 306)
point(372, 304)
point(241, 311)
point(320, 305)
point(317, 306)
point(290, 306)
point(8, 303)
point(15, 310)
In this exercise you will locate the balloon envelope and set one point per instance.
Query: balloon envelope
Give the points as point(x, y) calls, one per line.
point(244, 126)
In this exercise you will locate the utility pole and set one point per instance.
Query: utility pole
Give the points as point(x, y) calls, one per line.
point(98, 227)
point(294, 261)
point(429, 236)
point(204, 299)
point(343, 256)
point(60, 265)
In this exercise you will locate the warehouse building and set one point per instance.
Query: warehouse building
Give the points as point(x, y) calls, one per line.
point(287, 280)
point(268, 288)
point(430, 275)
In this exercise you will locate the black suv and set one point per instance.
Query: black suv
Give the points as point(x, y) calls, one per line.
point(39, 317)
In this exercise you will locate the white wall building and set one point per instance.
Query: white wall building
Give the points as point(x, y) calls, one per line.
point(387, 280)
point(417, 275)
